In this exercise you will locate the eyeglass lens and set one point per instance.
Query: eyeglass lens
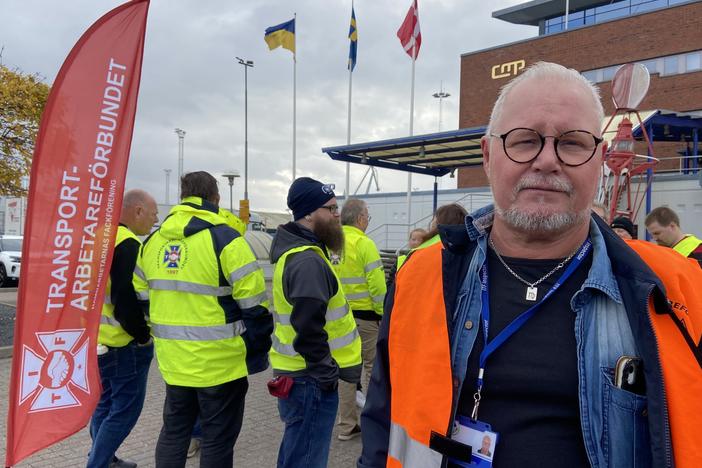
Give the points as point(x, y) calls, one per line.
point(573, 147)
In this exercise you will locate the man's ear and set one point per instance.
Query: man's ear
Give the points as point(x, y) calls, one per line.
point(485, 148)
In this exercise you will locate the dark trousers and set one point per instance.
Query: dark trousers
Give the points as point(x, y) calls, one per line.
point(221, 410)
point(123, 374)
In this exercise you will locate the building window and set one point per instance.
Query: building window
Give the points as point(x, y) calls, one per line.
point(670, 65)
point(665, 66)
point(610, 11)
point(693, 62)
point(591, 76)
point(608, 73)
point(651, 65)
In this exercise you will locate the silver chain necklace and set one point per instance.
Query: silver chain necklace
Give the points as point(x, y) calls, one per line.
point(532, 290)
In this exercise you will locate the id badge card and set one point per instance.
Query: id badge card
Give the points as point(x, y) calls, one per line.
point(480, 437)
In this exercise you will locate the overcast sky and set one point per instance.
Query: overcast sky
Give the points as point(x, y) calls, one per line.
point(191, 80)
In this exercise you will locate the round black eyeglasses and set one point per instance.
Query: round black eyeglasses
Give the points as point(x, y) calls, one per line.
point(573, 148)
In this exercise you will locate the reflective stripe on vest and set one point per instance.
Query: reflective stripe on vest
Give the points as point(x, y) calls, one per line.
point(139, 273)
point(373, 265)
point(189, 287)
point(354, 280)
point(253, 301)
point(334, 344)
point(236, 275)
point(355, 296)
point(109, 321)
point(687, 245)
point(409, 452)
point(194, 333)
point(111, 332)
point(419, 351)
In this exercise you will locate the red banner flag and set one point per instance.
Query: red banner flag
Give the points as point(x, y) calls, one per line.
point(75, 197)
point(409, 34)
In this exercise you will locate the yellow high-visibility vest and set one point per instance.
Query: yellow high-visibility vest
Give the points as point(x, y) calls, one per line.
point(111, 332)
point(343, 338)
point(361, 272)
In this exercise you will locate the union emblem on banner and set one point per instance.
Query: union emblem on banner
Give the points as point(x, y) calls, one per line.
point(50, 377)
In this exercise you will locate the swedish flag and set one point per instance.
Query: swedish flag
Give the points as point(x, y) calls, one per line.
point(281, 35)
point(353, 37)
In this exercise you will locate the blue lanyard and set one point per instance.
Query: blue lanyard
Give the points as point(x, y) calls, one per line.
point(516, 324)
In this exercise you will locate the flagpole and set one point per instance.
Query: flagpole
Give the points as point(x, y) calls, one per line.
point(411, 132)
point(348, 137)
point(294, 159)
point(294, 102)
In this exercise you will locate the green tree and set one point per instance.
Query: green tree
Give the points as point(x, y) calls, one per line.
point(22, 100)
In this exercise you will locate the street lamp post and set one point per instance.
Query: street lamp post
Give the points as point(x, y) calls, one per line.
point(441, 95)
point(181, 149)
point(230, 177)
point(168, 183)
point(247, 64)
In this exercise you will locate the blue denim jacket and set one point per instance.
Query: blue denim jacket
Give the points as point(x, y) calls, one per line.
point(615, 429)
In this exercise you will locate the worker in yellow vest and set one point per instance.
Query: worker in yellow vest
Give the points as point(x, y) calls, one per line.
point(210, 322)
point(664, 225)
point(363, 281)
point(125, 347)
point(315, 342)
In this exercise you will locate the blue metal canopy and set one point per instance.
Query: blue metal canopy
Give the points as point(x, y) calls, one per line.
point(666, 125)
point(435, 154)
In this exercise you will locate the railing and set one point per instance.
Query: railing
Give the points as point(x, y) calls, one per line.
point(393, 236)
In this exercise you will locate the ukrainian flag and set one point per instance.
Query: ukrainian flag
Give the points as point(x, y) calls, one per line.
point(281, 35)
point(353, 37)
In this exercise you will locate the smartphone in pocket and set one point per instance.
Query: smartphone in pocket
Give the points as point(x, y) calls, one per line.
point(629, 375)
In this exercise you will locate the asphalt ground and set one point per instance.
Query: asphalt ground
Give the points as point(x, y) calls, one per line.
point(256, 447)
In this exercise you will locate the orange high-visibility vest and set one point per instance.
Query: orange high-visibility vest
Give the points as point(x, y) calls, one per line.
point(418, 340)
point(682, 375)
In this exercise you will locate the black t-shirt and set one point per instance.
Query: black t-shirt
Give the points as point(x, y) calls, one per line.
point(530, 386)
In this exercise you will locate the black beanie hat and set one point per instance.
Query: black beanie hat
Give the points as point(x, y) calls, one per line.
point(622, 222)
point(306, 195)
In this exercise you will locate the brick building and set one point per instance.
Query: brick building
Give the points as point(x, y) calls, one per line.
point(664, 35)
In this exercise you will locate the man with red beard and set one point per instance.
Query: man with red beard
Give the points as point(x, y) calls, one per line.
point(315, 341)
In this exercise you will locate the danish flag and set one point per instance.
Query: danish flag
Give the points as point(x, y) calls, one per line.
point(409, 34)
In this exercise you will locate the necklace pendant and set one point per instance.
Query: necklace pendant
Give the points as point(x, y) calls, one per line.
point(531, 293)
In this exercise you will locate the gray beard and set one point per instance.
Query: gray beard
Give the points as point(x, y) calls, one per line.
point(538, 223)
